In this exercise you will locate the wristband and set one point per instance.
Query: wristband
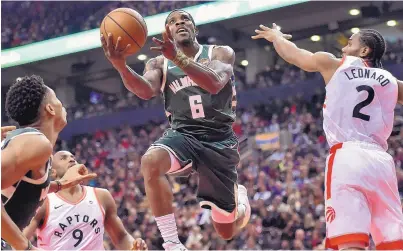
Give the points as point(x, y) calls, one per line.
point(29, 246)
point(59, 186)
point(181, 60)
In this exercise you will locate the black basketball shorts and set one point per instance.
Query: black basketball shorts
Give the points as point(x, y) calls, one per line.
point(214, 161)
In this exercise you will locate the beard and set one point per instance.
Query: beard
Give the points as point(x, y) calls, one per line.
point(186, 43)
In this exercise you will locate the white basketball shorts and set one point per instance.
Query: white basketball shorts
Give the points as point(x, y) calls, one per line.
point(362, 198)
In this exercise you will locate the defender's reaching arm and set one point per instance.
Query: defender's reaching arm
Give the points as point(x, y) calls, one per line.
point(146, 86)
point(322, 62)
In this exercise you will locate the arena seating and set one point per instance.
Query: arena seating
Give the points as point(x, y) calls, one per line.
point(33, 21)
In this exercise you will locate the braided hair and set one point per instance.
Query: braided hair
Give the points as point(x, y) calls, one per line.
point(375, 41)
point(24, 99)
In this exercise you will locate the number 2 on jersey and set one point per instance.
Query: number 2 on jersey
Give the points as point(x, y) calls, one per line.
point(364, 103)
point(196, 106)
point(78, 235)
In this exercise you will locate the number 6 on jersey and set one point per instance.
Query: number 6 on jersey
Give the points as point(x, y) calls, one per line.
point(196, 106)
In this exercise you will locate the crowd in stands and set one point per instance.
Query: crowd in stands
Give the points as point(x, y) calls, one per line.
point(286, 186)
point(32, 21)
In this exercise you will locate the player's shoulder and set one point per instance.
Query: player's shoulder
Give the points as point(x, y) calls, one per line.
point(105, 198)
point(327, 58)
point(223, 52)
point(223, 49)
point(156, 61)
point(26, 139)
point(101, 193)
point(99, 190)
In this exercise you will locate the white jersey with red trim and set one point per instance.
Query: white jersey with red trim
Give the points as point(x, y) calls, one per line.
point(359, 104)
point(69, 226)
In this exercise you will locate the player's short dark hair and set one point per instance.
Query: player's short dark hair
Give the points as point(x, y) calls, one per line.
point(375, 41)
point(24, 99)
point(175, 10)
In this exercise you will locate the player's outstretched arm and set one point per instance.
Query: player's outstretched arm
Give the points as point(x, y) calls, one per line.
point(322, 62)
point(211, 77)
point(16, 160)
point(121, 239)
point(400, 91)
point(36, 222)
point(146, 86)
point(75, 175)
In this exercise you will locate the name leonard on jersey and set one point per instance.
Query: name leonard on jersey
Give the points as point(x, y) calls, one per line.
point(76, 219)
point(366, 73)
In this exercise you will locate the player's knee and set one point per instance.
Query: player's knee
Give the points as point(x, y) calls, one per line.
point(154, 164)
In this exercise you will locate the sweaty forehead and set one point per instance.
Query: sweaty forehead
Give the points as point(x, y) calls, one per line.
point(61, 154)
point(177, 13)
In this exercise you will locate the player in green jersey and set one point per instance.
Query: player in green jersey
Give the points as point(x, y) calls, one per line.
point(196, 82)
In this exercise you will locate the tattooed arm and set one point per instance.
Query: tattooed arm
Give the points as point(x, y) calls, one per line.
point(216, 74)
point(148, 85)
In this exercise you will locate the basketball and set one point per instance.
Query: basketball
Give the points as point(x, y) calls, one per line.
point(127, 24)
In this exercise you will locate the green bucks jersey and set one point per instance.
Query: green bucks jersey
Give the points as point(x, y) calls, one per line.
point(191, 109)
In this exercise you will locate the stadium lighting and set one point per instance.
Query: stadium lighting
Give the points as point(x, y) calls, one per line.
point(355, 30)
point(142, 57)
point(354, 12)
point(315, 38)
point(244, 62)
point(391, 23)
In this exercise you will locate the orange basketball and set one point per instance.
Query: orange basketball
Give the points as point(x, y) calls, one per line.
point(127, 24)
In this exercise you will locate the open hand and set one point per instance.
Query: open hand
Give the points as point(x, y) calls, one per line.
point(139, 244)
point(167, 46)
point(76, 175)
point(116, 56)
point(270, 34)
point(5, 130)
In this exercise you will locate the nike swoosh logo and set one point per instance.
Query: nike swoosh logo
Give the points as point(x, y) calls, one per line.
point(171, 67)
point(58, 206)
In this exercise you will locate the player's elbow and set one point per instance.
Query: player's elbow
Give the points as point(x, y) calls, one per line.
point(215, 88)
point(146, 96)
point(143, 94)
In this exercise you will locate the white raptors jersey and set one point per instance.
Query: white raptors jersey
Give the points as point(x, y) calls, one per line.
point(359, 104)
point(68, 226)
